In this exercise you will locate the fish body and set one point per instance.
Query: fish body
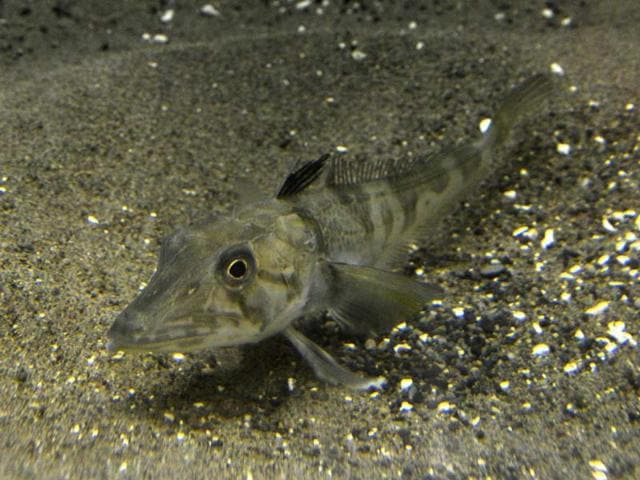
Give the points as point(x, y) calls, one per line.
point(328, 242)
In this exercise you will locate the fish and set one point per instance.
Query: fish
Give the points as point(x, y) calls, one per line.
point(330, 242)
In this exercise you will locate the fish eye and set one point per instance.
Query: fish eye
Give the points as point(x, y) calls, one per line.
point(237, 268)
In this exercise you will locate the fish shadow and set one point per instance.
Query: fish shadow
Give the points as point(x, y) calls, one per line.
point(256, 383)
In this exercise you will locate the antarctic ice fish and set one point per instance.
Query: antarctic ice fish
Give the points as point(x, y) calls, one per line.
point(327, 242)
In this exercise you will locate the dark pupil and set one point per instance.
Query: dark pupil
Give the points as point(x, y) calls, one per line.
point(238, 268)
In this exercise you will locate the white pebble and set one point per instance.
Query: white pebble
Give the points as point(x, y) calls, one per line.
point(167, 16)
point(303, 4)
point(92, 219)
point(597, 309)
point(549, 239)
point(606, 224)
point(406, 407)
point(119, 355)
point(556, 69)
point(523, 207)
point(611, 348)
point(519, 315)
point(571, 367)
point(563, 148)
point(178, 357)
point(445, 407)
point(547, 13)
point(518, 232)
point(209, 10)
point(401, 327)
point(358, 55)
point(510, 194)
point(531, 233)
point(540, 350)
point(402, 348)
point(598, 466)
point(484, 125)
point(160, 39)
point(169, 417)
point(623, 260)
point(616, 330)
point(566, 22)
point(406, 384)
point(599, 475)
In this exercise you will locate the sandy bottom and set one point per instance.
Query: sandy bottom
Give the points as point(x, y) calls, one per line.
point(529, 369)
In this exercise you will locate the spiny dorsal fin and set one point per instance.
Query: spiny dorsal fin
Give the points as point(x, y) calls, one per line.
point(304, 176)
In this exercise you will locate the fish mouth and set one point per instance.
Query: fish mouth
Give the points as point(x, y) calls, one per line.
point(131, 333)
point(184, 334)
point(186, 344)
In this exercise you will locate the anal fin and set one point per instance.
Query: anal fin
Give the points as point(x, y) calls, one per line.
point(327, 368)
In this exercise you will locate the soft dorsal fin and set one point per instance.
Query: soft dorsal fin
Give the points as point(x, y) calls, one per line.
point(345, 172)
point(304, 176)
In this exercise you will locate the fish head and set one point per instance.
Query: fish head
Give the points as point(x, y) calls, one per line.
point(227, 282)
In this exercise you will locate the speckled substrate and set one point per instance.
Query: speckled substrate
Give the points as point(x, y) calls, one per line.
point(529, 369)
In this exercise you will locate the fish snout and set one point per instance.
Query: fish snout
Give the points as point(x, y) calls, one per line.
point(124, 331)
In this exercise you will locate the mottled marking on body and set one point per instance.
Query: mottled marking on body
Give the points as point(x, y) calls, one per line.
point(409, 200)
point(440, 178)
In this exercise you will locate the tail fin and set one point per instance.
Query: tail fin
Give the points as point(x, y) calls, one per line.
point(524, 99)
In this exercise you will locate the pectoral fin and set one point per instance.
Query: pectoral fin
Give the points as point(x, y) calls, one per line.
point(325, 366)
point(368, 300)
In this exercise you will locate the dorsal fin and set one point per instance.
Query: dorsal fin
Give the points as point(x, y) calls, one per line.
point(304, 176)
point(359, 170)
